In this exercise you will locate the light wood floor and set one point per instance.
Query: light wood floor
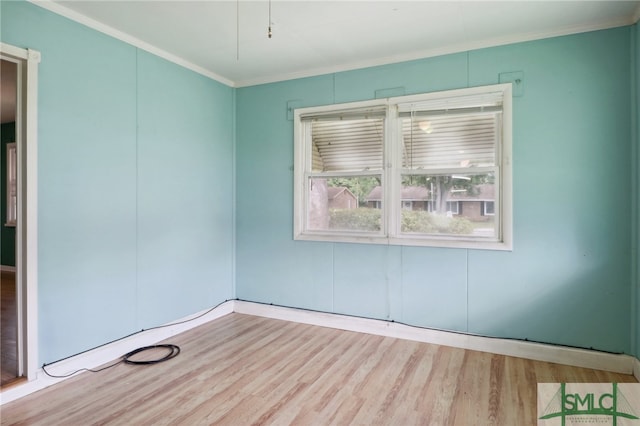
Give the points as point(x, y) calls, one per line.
point(8, 328)
point(241, 370)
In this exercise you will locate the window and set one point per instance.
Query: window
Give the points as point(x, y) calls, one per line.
point(12, 185)
point(453, 207)
point(431, 169)
point(488, 208)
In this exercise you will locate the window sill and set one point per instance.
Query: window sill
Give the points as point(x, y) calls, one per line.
point(444, 242)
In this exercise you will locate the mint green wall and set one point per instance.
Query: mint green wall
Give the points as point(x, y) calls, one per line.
point(134, 185)
point(136, 193)
point(568, 279)
point(8, 239)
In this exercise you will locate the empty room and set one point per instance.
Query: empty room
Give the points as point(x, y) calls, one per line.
point(320, 212)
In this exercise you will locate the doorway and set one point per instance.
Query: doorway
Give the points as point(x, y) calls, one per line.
point(8, 221)
point(19, 225)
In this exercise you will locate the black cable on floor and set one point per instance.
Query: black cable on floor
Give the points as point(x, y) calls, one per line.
point(173, 352)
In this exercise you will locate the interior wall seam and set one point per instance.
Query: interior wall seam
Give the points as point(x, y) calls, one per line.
point(466, 286)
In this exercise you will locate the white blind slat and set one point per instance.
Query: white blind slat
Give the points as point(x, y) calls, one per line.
point(450, 142)
point(493, 99)
point(347, 114)
point(352, 145)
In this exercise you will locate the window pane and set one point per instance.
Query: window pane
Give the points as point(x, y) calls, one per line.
point(345, 204)
point(489, 208)
point(12, 184)
point(347, 145)
point(448, 204)
point(449, 141)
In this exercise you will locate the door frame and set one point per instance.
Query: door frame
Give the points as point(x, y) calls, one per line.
point(27, 61)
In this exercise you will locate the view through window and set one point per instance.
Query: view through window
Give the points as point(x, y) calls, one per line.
point(430, 169)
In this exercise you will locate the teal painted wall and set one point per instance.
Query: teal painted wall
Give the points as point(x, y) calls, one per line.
point(8, 239)
point(136, 195)
point(568, 279)
point(135, 172)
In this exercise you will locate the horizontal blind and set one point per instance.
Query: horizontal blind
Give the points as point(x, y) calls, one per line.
point(347, 114)
point(347, 145)
point(478, 102)
point(451, 133)
point(317, 165)
point(450, 141)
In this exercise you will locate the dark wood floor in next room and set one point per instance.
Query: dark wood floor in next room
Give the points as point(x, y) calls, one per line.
point(8, 328)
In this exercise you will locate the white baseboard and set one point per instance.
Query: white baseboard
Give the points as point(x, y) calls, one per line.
point(534, 351)
point(6, 268)
point(105, 354)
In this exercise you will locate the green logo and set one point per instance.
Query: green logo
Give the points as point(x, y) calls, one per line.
point(589, 404)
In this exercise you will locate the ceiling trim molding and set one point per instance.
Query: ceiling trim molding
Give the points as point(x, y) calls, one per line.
point(461, 47)
point(129, 39)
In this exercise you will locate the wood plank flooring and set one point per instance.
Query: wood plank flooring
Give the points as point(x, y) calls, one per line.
point(242, 370)
point(8, 328)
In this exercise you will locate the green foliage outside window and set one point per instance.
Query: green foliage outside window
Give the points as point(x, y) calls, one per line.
point(369, 219)
point(429, 223)
point(360, 219)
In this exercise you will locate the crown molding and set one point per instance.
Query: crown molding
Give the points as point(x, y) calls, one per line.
point(129, 39)
point(350, 66)
point(446, 50)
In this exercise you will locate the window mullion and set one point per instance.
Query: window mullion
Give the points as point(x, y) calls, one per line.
point(300, 169)
point(393, 147)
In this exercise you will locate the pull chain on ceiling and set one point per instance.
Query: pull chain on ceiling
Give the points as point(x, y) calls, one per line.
point(269, 31)
point(237, 30)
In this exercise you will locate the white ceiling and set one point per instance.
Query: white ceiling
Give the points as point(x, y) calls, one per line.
point(312, 37)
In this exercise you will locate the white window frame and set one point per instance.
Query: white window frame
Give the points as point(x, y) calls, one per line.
point(453, 203)
point(484, 208)
point(392, 176)
point(12, 185)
